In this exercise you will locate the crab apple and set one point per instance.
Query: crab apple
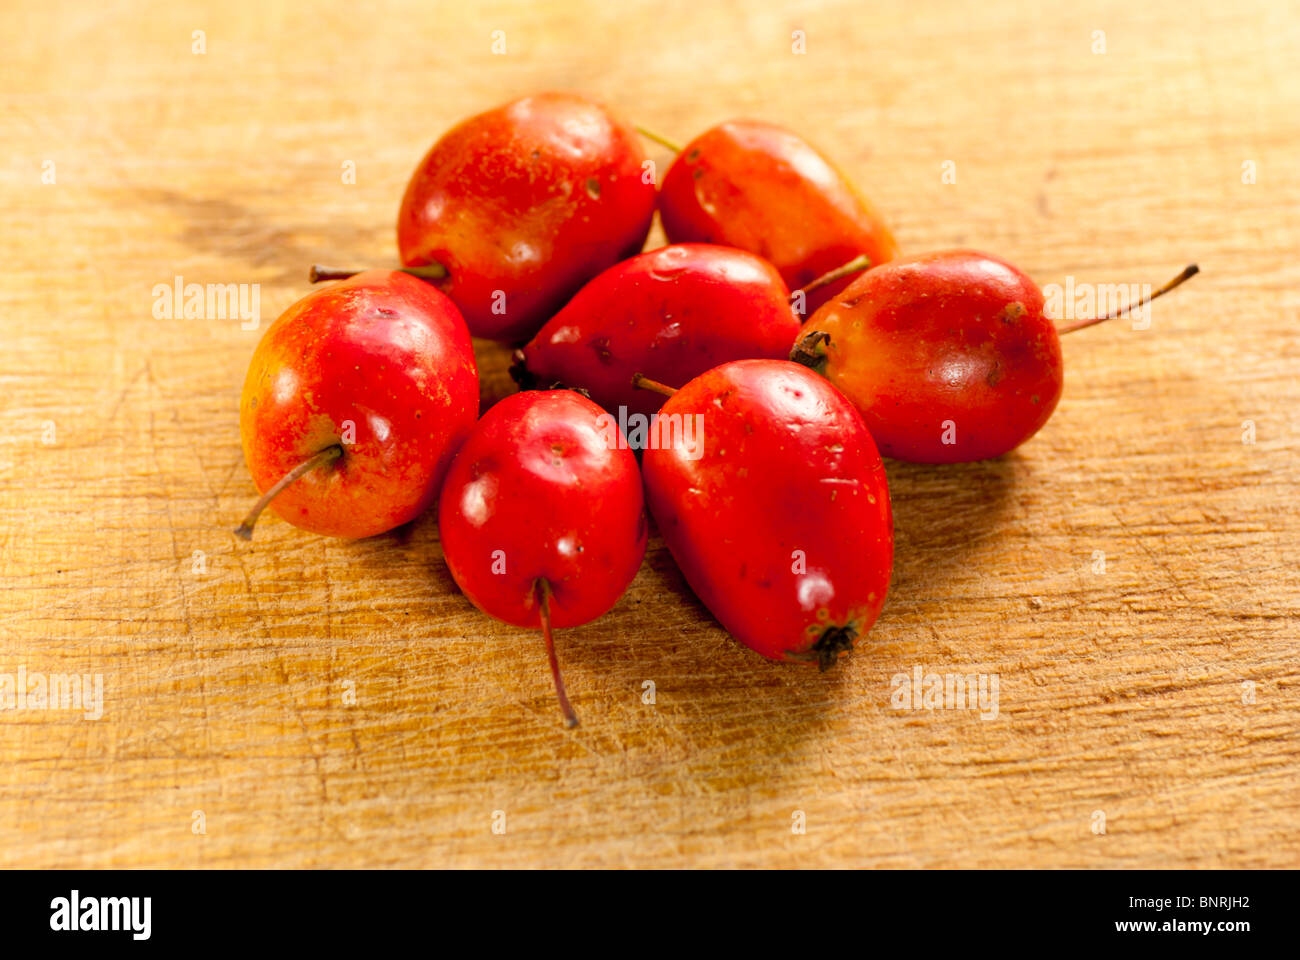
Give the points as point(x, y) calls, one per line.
point(762, 188)
point(778, 514)
point(542, 518)
point(513, 210)
point(669, 315)
point(949, 356)
point(355, 401)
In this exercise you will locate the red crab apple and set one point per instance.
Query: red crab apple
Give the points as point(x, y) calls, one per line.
point(776, 508)
point(513, 210)
point(948, 356)
point(542, 518)
point(355, 402)
point(762, 188)
point(669, 314)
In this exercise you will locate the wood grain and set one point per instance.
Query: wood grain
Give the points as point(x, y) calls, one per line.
point(224, 680)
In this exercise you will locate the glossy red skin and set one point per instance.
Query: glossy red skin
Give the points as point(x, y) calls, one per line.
point(760, 187)
point(951, 336)
point(787, 465)
point(385, 351)
point(534, 199)
point(538, 480)
point(669, 315)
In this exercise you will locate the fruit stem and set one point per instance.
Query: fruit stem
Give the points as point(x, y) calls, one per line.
point(432, 271)
point(645, 383)
point(328, 455)
point(662, 141)
point(1188, 272)
point(856, 265)
point(543, 588)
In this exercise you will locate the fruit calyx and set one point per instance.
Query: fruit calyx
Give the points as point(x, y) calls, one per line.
point(524, 378)
point(810, 350)
point(833, 641)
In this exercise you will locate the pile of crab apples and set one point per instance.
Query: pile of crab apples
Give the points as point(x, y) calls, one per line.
point(738, 385)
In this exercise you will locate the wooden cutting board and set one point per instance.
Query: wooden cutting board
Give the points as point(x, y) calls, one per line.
point(1129, 576)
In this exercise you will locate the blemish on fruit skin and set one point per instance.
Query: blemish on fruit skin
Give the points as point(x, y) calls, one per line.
point(593, 188)
point(693, 155)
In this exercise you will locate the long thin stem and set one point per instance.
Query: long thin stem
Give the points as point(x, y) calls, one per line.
point(1188, 272)
point(431, 271)
point(645, 383)
point(856, 265)
point(543, 589)
point(327, 455)
point(662, 141)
